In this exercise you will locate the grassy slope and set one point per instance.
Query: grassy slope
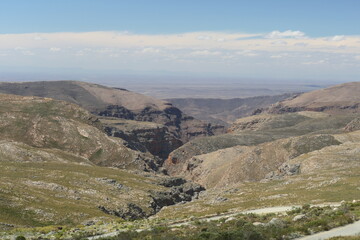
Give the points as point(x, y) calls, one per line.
point(259, 129)
point(48, 152)
point(47, 123)
point(67, 192)
point(330, 174)
point(322, 186)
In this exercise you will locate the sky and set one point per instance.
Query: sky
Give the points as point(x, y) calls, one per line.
point(258, 39)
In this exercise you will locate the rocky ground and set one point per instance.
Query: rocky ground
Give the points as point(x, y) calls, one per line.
point(118, 103)
point(63, 166)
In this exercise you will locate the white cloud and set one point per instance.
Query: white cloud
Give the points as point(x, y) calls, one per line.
point(194, 51)
point(150, 50)
point(336, 38)
point(314, 62)
point(205, 53)
point(285, 34)
point(301, 44)
point(55, 49)
point(201, 37)
point(279, 43)
point(247, 53)
point(282, 55)
point(28, 53)
point(39, 38)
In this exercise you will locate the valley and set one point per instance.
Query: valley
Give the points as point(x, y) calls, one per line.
point(81, 154)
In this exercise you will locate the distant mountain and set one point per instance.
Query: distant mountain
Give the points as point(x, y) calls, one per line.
point(123, 104)
point(343, 98)
point(270, 145)
point(225, 111)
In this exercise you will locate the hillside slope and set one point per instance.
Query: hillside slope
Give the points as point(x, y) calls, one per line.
point(224, 111)
point(114, 102)
point(343, 98)
point(48, 123)
point(256, 130)
point(58, 166)
point(329, 111)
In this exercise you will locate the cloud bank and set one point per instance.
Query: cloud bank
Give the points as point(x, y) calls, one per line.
point(288, 53)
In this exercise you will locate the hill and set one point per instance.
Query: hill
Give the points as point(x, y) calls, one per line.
point(120, 103)
point(318, 115)
point(224, 111)
point(343, 98)
point(51, 124)
point(60, 167)
point(254, 130)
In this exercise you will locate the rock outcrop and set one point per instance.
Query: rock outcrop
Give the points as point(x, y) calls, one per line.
point(181, 191)
point(339, 99)
point(354, 125)
point(48, 123)
point(142, 136)
point(124, 104)
point(178, 190)
point(255, 130)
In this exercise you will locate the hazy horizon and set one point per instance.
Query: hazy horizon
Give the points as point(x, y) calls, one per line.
point(106, 41)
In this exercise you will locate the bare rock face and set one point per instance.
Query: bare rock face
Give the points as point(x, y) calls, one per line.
point(284, 170)
point(181, 191)
point(354, 125)
point(123, 104)
point(48, 123)
point(343, 98)
point(129, 212)
point(179, 125)
point(142, 136)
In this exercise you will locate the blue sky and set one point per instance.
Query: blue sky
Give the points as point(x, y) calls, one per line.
point(275, 39)
point(315, 17)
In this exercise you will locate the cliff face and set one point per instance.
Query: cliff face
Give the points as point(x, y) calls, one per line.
point(178, 124)
point(177, 128)
point(143, 136)
point(47, 123)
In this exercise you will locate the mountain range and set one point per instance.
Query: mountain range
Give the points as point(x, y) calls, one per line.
point(71, 152)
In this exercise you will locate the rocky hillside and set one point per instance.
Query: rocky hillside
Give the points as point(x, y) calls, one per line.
point(256, 130)
point(142, 136)
point(119, 103)
point(60, 167)
point(343, 98)
point(51, 124)
point(224, 111)
point(265, 145)
point(253, 163)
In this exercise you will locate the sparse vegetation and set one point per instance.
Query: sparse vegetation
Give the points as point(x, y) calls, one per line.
point(297, 222)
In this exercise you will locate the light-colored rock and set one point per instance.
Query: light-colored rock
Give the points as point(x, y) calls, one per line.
point(299, 217)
